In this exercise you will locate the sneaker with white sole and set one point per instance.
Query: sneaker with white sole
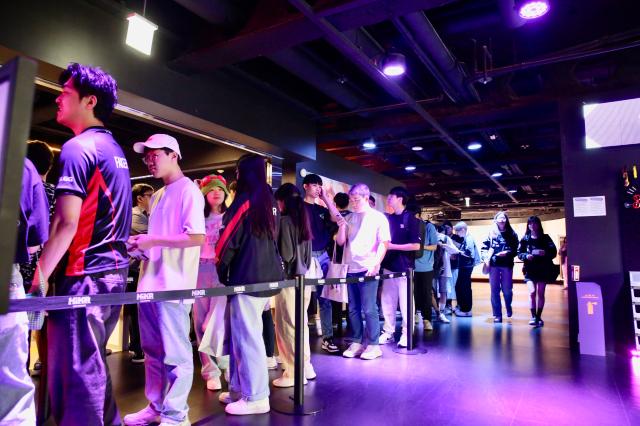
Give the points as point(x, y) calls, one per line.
point(443, 318)
point(532, 321)
point(402, 343)
point(329, 346)
point(354, 350)
point(309, 372)
point(272, 364)
point(372, 352)
point(226, 398)
point(427, 325)
point(286, 380)
point(184, 422)
point(214, 384)
point(385, 338)
point(242, 407)
point(142, 418)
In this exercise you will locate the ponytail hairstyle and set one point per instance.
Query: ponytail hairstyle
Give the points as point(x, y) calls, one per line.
point(290, 195)
point(252, 183)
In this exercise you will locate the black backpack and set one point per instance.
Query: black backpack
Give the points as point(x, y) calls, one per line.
point(422, 230)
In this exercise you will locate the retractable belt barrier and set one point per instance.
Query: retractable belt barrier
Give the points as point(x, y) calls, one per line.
point(128, 298)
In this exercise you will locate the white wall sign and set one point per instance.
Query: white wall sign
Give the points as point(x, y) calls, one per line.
point(589, 206)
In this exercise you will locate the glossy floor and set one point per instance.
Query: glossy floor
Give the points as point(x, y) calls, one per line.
point(475, 373)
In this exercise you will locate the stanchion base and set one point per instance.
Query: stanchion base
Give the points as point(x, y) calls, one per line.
point(284, 404)
point(415, 351)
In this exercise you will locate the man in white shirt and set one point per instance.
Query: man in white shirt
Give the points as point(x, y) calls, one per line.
point(172, 245)
point(366, 234)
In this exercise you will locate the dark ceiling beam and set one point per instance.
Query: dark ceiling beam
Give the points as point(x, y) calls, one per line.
point(427, 45)
point(449, 184)
point(318, 74)
point(363, 62)
point(282, 32)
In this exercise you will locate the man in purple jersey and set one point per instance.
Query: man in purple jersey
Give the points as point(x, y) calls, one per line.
point(88, 233)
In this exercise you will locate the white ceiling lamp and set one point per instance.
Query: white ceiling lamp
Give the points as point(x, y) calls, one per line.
point(140, 32)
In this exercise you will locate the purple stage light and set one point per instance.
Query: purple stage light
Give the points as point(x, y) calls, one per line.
point(533, 9)
point(394, 64)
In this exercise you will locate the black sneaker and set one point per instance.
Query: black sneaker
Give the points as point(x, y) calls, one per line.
point(138, 358)
point(329, 346)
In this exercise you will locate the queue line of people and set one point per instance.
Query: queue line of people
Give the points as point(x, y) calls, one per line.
point(190, 239)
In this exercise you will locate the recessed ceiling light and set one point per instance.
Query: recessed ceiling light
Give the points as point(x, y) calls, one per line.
point(496, 174)
point(370, 144)
point(493, 136)
point(417, 148)
point(474, 146)
point(513, 191)
point(410, 168)
point(220, 171)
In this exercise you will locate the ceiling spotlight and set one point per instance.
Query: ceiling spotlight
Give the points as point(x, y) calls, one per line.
point(493, 136)
point(474, 146)
point(220, 171)
point(513, 191)
point(532, 9)
point(496, 174)
point(140, 33)
point(467, 201)
point(394, 64)
point(410, 168)
point(417, 148)
point(370, 144)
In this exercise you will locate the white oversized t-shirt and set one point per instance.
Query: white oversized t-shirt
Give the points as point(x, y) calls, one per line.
point(176, 209)
point(213, 223)
point(365, 232)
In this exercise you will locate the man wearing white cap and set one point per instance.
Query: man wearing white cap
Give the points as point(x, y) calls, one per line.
point(172, 246)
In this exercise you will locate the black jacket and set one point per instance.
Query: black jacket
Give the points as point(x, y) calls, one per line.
point(244, 258)
point(296, 255)
point(537, 269)
point(505, 241)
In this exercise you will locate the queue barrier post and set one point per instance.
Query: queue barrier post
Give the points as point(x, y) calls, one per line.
point(412, 348)
point(298, 404)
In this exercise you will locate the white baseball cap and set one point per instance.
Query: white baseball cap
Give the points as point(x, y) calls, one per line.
point(158, 141)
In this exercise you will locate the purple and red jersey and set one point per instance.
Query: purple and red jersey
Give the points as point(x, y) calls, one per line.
point(94, 168)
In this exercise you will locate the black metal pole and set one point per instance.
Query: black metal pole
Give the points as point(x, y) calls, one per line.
point(298, 364)
point(410, 309)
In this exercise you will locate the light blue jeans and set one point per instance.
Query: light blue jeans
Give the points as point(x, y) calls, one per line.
point(362, 300)
point(168, 366)
point(16, 403)
point(501, 278)
point(248, 361)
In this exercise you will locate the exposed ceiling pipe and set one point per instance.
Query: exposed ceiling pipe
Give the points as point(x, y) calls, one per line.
point(552, 60)
point(434, 54)
point(319, 75)
point(381, 108)
point(350, 51)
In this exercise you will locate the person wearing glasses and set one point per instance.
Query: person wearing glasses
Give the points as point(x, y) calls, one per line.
point(365, 232)
point(172, 247)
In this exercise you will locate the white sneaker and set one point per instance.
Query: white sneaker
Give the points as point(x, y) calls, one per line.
point(309, 372)
point(142, 418)
point(214, 384)
point(402, 343)
point(226, 398)
point(372, 352)
point(285, 381)
point(185, 422)
point(443, 318)
point(427, 325)
point(354, 350)
point(272, 364)
point(243, 407)
point(385, 338)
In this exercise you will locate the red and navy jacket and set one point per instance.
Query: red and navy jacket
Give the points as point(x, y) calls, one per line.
point(244, 258)
point(94, 168)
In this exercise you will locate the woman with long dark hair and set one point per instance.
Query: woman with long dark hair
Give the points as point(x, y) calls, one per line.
point(247, 253)
point(294, 243)
point(537, 251)
point(498, 251)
